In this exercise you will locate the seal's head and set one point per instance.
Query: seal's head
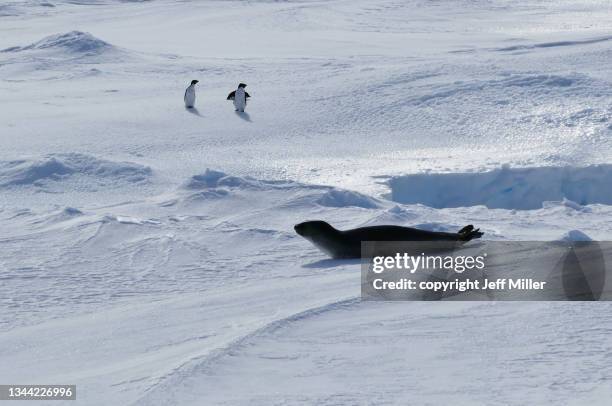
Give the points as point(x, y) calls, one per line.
point(322, 235)
point(313, 230)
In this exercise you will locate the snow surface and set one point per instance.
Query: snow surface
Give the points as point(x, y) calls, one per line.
point(148, 253)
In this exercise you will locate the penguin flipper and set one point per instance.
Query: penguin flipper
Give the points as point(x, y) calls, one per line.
point(231, 96)
point(246, 95)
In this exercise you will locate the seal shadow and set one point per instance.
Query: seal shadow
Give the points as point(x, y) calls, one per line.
point(244, 115)
point(331, 263)
point(193, 111)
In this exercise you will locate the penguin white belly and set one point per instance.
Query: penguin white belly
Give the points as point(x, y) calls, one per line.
point(240, 99)
point(190, 97)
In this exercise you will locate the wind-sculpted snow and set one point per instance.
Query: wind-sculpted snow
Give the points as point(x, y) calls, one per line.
point(205, 278)
point(62, 56)
point(208, 179)
point(347, 198)
point(439, 353)
point(195, 368)
point(215, 184)
point(394, 215)
point(54, 169)
point(216, 179)
point(100, 2)
point(59, 216)
point(156, 281)
point(575, 236)
point(555, 113)
point(8, 10)
point(507, 188)
point(554, 44)
point(515, 83)
point(19, 8)
point(76, 42)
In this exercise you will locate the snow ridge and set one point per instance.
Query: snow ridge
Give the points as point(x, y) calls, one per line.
point(214, 179)
point(506, 188)
point(156, 393)
point(60, 167)
point(75, 42)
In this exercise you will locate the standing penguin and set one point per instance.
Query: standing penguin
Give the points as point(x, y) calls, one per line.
point(239, 96)
point(190, 95)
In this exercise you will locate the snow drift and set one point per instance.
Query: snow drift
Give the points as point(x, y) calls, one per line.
point(346, 198)
point(215, 179)
point(60, 167)
point(62, 52)
point(506, 188)
point(75, 42)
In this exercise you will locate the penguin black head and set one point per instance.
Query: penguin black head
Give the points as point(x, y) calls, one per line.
point(314, 229)
point(241, 85)
point(193, 82)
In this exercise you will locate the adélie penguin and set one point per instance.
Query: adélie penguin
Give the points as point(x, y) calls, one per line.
point(190, 95)
point(239, 96)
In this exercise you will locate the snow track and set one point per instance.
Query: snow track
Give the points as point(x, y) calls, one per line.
point(386, 354)
point(555, 44)
point(165, 389)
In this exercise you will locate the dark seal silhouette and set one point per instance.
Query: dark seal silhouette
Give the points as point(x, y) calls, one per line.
point(347, 244)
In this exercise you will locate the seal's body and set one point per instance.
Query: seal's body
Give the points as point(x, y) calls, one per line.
point(239, 96)
point(347, 244)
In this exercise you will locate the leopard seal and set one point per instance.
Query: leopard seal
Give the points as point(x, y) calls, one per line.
point(347, 244)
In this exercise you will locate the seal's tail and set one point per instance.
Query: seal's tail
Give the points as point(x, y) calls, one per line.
point(468, 233)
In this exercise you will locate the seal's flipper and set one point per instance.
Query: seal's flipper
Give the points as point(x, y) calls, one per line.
point(466, 229)
point(468, 233)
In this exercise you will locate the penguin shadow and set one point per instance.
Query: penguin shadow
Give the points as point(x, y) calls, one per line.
point(244, 115)
point(193, 111)
point(331, 263)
